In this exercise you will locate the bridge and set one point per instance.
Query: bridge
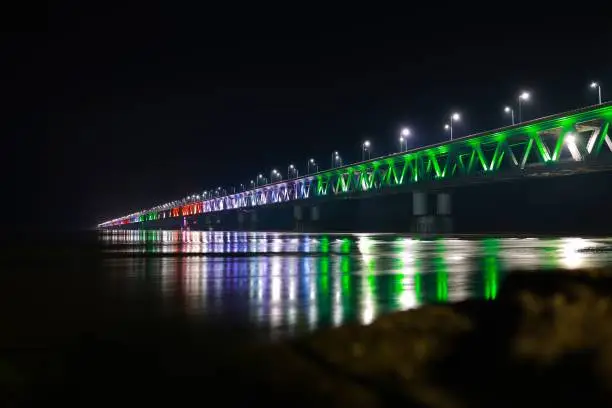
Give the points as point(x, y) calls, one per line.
point(559, 145)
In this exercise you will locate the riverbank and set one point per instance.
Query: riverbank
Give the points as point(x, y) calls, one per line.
point(545, 341)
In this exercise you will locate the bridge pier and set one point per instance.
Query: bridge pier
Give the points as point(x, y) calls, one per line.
point(425, 221)
point(298, 217)
point(208, 222)
point(302, 224)
point(315, 216)
point(253, 220)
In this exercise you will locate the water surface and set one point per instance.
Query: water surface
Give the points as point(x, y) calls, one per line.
point(279, 284)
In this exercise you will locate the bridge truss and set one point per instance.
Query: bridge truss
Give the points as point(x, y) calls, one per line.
point(574, 141)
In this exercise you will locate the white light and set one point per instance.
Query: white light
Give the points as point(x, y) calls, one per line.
point(405, 132)
point(455, 116)
point(366, 143)
point(593, 84)
point(367, 314)
point(570, 138)
point(524, 96)
point(572, 255)
point(401, 138)
point(507, 109)
point(446, 126)
point(260, 176)
point(291, 166)
point(312, 160)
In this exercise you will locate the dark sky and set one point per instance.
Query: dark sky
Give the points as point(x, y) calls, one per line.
point(116, 109)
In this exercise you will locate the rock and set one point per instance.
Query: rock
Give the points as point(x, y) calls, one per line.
point(547, 340)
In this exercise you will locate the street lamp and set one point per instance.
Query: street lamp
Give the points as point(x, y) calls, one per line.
point(524, 96)
point(290, 169)
point(259, 177)
point(275, 173)
point(334, 159)
point(338, 160)
point(313, 163)
point(404, 139)
point(449, 126)
point(598, 86)
point(509, 110)
point(365, 148)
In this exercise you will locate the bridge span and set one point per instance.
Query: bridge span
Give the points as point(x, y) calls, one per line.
point(559, 145)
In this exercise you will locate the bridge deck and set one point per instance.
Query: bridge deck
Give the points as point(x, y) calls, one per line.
point(562, 144)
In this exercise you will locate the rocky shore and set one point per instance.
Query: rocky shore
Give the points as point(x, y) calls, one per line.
point(545, 341)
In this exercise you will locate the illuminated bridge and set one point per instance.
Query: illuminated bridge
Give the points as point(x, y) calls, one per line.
point(564, 144)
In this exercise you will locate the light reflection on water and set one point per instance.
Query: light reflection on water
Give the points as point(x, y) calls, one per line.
point(292, 283)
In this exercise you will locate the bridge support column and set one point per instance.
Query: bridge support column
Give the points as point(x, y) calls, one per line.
point(253, 220)
point(241, 219)
point(428, 222)
point(315, 215)
point(443, 213)
point(298, 217)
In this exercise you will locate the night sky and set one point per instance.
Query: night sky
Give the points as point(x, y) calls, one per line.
point(141, 106)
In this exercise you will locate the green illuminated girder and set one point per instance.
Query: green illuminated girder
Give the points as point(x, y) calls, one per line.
point(538, 143)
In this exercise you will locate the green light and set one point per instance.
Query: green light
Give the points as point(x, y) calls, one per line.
point(345, 266)
point(324, 273)
point(345, 246)
point(371, 265)
point(418, 288)
point(325, 244)
point(346, 280)
point(372, 283)
point(324, 265)
point(491, 268)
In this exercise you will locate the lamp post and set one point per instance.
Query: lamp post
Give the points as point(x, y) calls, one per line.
point(313, 163)
point(365, 147)
point(597, 86)
point(524, 96)
point(404, 139)
point(259, 179)
point(275, 173)
point(449, 126)
point(290, 169)
point(334, 159)
point(509, 110)
point(338, 160)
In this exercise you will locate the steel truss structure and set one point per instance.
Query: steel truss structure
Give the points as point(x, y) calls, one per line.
point(579, 138)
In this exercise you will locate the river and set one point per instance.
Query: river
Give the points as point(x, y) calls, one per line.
point(279, 285)
point(129, 312)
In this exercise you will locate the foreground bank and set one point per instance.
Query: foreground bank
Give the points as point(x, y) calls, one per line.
point(545, 341)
